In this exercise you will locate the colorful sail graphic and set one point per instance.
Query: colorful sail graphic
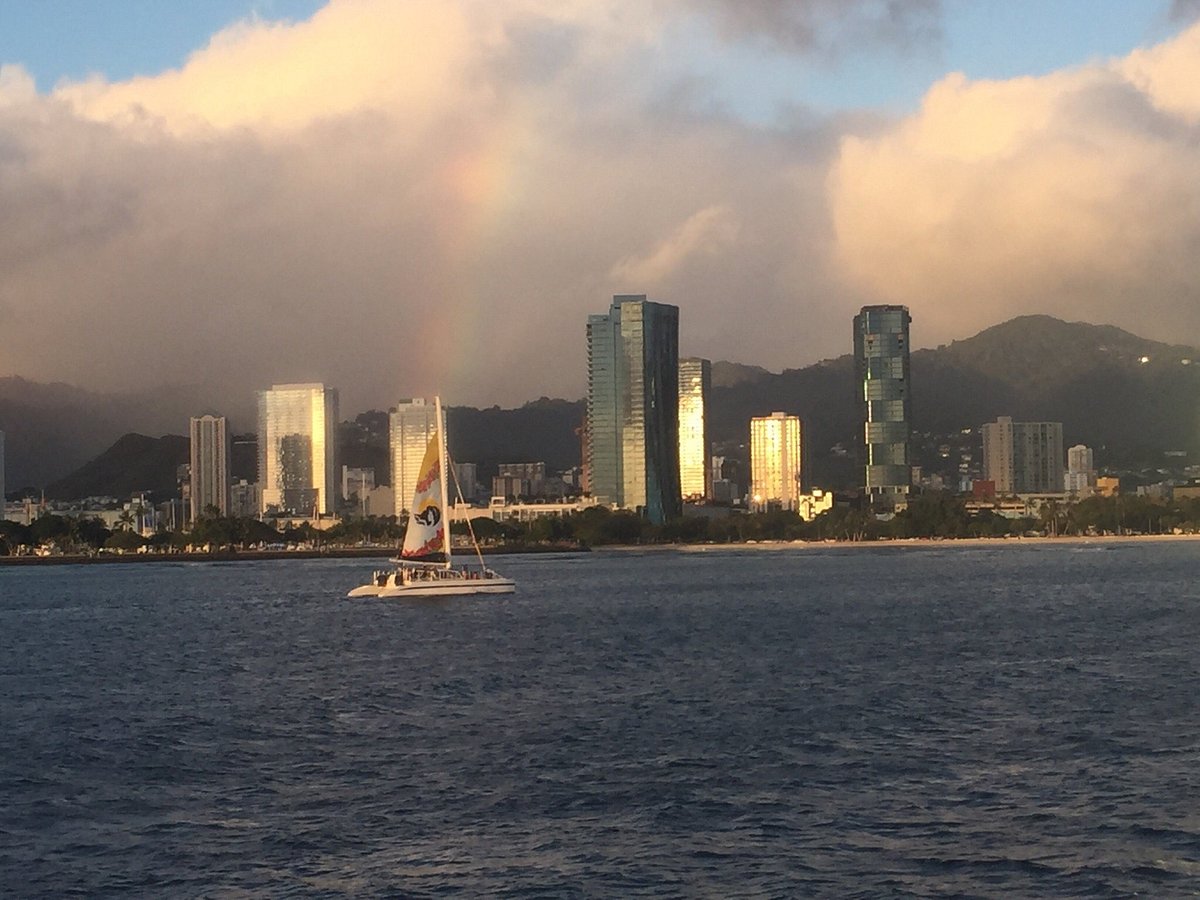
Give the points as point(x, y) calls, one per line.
point(425, 539)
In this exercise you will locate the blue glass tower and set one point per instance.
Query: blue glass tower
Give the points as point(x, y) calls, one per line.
point(633, 407)
point(881, 349)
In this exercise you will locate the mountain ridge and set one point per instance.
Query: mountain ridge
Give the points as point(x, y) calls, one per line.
point(1125, 395)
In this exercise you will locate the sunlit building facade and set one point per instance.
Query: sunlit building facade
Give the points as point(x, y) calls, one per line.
point(1023, 457)
point(695, 469)
point(208, 474)
point(632, 455)
point(775, 462)
point(297, 450)
point(881, 357)
point(411, 424)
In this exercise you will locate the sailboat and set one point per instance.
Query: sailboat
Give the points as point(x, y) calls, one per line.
point(424, 567)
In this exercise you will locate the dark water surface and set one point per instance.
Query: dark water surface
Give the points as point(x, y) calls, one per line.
point(1000, 721)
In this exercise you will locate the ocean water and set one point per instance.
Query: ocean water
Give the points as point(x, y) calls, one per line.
point(851, 722)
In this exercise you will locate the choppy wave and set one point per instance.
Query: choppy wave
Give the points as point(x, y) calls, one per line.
point(856, 724)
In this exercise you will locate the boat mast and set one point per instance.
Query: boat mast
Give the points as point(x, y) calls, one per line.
point(437, 411)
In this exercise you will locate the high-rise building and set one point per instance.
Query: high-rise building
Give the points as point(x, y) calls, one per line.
point(297, 449)
point(1080, 477)
point(208, 479)
point(632, 453)
point(695, 472)
point(775, 461)
point(412, 424)
point(1023, 457)
point(881, 349)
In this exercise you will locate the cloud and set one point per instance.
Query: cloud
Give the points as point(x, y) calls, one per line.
point(706, 231)
point(398, 198)
point(16, 86)
point(1072, 194)
point(1184, 10)
point(394, 198)
point(826, 25)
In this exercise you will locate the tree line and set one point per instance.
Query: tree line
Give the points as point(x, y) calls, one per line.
point(928, 515)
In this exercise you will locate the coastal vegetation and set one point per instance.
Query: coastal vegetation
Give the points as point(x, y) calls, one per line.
point(931, 515)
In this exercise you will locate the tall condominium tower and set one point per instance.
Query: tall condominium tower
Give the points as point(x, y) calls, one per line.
point(881, 361)
point(775, 461)
point(412, 424)
point(632, 452)
point(1023, 457)
point(695, 472)
point(209, 474)
point(297, 449)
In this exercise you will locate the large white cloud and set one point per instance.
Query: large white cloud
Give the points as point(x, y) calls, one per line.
point(1073, 194)
point(393, 197)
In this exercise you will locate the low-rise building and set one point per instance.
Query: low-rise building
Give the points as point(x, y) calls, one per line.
point(809, 506)
point(503, 511)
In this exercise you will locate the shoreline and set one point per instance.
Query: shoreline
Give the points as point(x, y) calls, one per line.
point(942, 543)
point(761, 546)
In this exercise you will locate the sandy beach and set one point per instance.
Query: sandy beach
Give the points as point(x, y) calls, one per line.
point(932, 543)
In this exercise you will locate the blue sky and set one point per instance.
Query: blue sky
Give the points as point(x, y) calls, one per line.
point(56, 39)
point(70, 39)
point(984, 39)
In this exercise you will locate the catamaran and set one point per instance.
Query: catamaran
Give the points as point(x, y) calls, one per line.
point(424, 567)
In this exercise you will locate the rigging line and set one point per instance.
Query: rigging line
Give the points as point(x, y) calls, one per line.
point(458, 491)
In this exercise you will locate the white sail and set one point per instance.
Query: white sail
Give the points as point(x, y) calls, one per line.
point(425, 539)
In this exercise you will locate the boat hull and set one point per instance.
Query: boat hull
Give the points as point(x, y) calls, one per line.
point(451, 588)
point(441, 587)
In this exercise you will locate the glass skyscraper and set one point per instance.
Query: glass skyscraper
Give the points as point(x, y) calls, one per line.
point(297, 449)
point(411, 425)
point(633, 407)
point(209, 472)
point(881, 357)
point(695, 472)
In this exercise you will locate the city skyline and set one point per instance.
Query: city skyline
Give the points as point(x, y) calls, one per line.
point(533, 157)
point(635, 448)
